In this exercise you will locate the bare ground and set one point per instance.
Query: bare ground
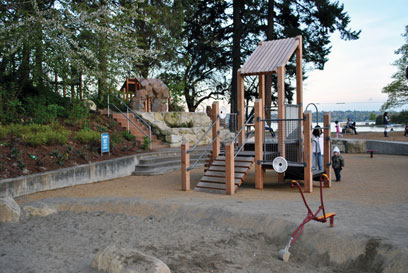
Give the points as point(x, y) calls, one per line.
point(198, 232)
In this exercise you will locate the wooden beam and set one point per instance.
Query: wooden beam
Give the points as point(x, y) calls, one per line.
point(307, 153)
point(281, 116)
point(327, 146)
point(259, 133)
point(241, 106)
point(215, 111)
point(299, 85)
point(185, 163)
point(262, 92)
point(229, 169)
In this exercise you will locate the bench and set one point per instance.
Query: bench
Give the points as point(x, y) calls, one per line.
point(371, 153)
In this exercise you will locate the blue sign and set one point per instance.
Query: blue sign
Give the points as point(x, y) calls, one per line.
point(105, 143)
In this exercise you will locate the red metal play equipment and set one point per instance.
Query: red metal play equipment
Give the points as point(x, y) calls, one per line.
point(284, 254)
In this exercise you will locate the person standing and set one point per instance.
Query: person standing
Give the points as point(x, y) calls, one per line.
point(317, 148)
point(386, 120)
point(337, 163)
point(337, 128)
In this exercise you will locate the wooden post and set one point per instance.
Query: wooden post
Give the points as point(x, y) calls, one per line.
point(281, 116)
point(185, 163)
point(259, 133)
point(327, 142)
point(229, 169)
point(262, 92)
point(215, 110)
point(241, 107)
point(299, 87)
point(127, 89)
point(307, 153)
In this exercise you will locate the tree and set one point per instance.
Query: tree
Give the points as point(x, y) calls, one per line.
point(397, 90)
point(202, 58)
point(315, 20)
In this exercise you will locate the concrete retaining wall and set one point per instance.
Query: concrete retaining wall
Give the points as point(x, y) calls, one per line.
point(356, 146)
point(387, 147)
point(83, 174)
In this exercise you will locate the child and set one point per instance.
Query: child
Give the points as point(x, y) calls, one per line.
point(317, 148)
point(406, 128)
point(337, 163)
point(337, 128)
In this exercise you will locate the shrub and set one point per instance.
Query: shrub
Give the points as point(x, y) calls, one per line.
point(146, 143)
point(128, 136)
point(78, 113)
point(87, 136)
point(3, 132)
point(36, 134)
point(117, 138)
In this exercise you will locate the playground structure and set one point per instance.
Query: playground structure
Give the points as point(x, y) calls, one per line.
point(146, 95)
point(226, 170)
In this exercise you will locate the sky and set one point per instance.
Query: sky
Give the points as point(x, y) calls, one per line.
point(357, 71)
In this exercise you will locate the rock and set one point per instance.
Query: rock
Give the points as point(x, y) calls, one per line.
point(9, 210)
point(90, 104)
point(173, 138)
point(124, 260)
point(38, 209)
point(355, 146)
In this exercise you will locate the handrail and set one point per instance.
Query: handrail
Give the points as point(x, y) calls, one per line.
point(139, 117)
point(240, 148)
point(134, 124)
point(203, 153)
point(202, 137)
point(317, 112)
point(240, 130)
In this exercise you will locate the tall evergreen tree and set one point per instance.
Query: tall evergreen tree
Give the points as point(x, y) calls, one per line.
point(315, 20)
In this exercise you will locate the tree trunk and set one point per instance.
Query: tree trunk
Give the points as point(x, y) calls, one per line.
point(268, 77)
point(236, 52)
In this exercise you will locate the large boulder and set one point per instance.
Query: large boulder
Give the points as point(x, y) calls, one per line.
point(9, 210)
point(355, 146)
point(115, 259)
point(38, 209)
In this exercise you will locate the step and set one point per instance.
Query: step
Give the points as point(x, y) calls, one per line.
point(236, 164)
point(215, 186)
point(222, 169)
point(158, 164)
point(222, 174)
point(237, 159)
point(216, 191)
point(219, 180)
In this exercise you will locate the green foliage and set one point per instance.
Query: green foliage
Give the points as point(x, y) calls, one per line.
point(372, 116)
point(59, 156)
point(78, 114)
point(128, 136)
point(87, 136)
point(146, 143)
point(11, 110)
point(3, 132)
point(116, 137)
point(397, 90)
point(400, 118)
point(36, 134)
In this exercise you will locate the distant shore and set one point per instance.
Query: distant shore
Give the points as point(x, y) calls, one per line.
point(392, 136)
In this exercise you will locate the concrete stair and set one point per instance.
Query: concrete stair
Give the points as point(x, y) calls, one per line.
point(164, 162)
point(122, 120)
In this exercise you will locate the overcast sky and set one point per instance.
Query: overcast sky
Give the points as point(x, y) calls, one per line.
point(358, 70)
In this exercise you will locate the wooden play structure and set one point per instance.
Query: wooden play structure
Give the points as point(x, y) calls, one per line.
point(292, 137)
point(148, 95)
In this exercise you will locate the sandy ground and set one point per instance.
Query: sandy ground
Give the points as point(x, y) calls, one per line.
point(392, 136)
point(198, 232)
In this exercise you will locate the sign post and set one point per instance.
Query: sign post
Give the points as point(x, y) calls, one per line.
point(105, 147)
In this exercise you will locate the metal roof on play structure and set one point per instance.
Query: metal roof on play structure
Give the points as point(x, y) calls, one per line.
point(269, 55)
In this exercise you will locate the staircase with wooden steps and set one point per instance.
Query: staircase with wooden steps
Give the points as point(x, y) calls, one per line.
point(156, 143)
point(213, 180)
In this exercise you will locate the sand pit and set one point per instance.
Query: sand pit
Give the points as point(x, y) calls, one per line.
point(197, 232)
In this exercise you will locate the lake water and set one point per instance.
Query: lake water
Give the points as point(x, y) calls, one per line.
point(365, 127)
